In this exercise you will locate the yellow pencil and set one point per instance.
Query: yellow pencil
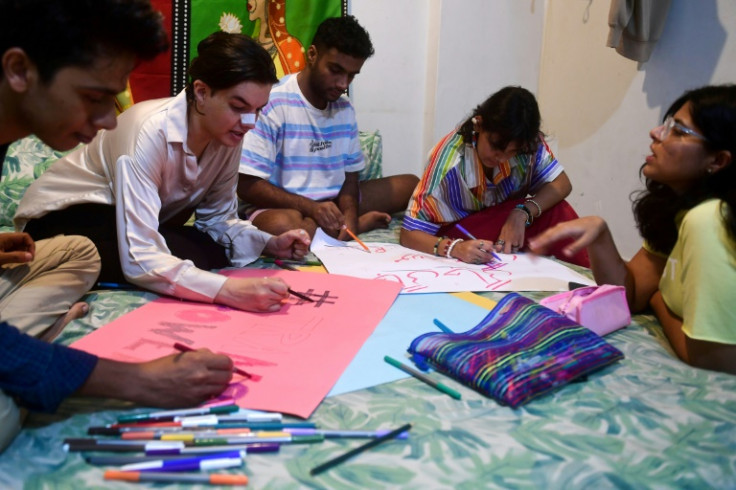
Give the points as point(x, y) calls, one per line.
point(356, 238)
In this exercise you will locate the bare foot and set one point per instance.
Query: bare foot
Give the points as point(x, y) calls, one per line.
point(372, 220)
point(78, 310)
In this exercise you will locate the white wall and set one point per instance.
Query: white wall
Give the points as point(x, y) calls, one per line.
point(484, 45)
point(389, 93)
point(599, 106)
point(436, 59)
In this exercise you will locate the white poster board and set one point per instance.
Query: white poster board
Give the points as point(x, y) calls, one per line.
point(419, 272)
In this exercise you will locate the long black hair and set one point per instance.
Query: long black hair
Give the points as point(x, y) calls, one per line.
point(713, 112)
point(512, 115)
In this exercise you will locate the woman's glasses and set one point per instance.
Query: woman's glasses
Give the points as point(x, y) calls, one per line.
point(663, 131)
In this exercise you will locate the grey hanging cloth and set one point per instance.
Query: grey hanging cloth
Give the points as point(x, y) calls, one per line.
point(636, 25)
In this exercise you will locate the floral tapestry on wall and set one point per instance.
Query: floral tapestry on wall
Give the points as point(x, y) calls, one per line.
point(283, 27)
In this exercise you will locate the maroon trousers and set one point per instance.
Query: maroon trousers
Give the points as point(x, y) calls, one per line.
point(487, 223)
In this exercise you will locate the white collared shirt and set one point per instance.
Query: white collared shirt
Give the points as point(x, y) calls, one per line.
point(146, 170)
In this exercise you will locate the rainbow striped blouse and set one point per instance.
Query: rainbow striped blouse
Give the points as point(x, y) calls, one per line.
point(454, 186)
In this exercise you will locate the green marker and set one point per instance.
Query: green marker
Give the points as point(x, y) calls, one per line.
point(423, 377)
point(271, 260)
point(171, 414)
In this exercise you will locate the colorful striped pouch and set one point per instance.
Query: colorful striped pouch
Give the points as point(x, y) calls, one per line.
point(518, 352)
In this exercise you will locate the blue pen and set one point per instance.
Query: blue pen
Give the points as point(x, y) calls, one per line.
point(122, 460)
point(470, 235)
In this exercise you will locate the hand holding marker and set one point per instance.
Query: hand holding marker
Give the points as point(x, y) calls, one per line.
point(185, 348)
point(470, 235)
point(354, 237)
point(288, 267)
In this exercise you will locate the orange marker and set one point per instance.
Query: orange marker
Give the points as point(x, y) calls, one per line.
point(356, 238)
point(173, 477)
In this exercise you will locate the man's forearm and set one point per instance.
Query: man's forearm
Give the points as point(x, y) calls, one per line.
point(263, 194)
point(347, 200)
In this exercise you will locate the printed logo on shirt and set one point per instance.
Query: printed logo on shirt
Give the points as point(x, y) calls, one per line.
point(670, 268)
point(315, 145)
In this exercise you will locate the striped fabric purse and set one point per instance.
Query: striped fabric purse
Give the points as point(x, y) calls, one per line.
point(518, 352)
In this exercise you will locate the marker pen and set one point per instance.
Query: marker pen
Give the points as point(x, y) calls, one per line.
point(174, 477)
point(189, 464)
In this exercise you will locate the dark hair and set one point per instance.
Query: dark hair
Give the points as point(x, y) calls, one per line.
point(512, 114)
point(59, 33)
point(226, 59)
point(345, 35)
point(713, 112)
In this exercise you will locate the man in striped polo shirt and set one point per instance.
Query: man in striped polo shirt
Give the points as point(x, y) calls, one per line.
point(299, 167)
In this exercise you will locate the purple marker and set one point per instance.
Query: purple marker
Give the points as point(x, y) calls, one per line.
point(470, 235)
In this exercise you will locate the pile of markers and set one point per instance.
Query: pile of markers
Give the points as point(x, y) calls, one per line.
point(184, 445)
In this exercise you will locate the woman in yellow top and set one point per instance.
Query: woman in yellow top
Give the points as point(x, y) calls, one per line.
point(686, 270)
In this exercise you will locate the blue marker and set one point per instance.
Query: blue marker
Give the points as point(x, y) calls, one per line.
point(186, 464)
point(114, 285)
point(123, 460)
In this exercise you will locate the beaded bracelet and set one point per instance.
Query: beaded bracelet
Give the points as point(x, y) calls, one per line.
point(539, 208)
point(452, 245)
point(437, 245)
point(443, 252)
point(529, 217)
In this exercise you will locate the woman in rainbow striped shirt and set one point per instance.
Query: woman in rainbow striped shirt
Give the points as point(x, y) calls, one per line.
point(490, 185)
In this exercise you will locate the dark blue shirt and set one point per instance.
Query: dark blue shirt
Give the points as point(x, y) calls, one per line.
point(37, 374)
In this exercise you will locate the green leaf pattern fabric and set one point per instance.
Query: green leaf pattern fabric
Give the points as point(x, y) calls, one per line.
point(371, 143)
point(26, 160)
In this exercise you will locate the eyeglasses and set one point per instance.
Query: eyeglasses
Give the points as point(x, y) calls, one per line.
point(663, 131)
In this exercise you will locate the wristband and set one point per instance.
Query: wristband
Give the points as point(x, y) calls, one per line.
point(437, 245)
point(539, 208)
point(529, 217)
point(452, 245)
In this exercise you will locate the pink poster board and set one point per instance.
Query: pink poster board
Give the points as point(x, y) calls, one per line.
point(298, 353)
